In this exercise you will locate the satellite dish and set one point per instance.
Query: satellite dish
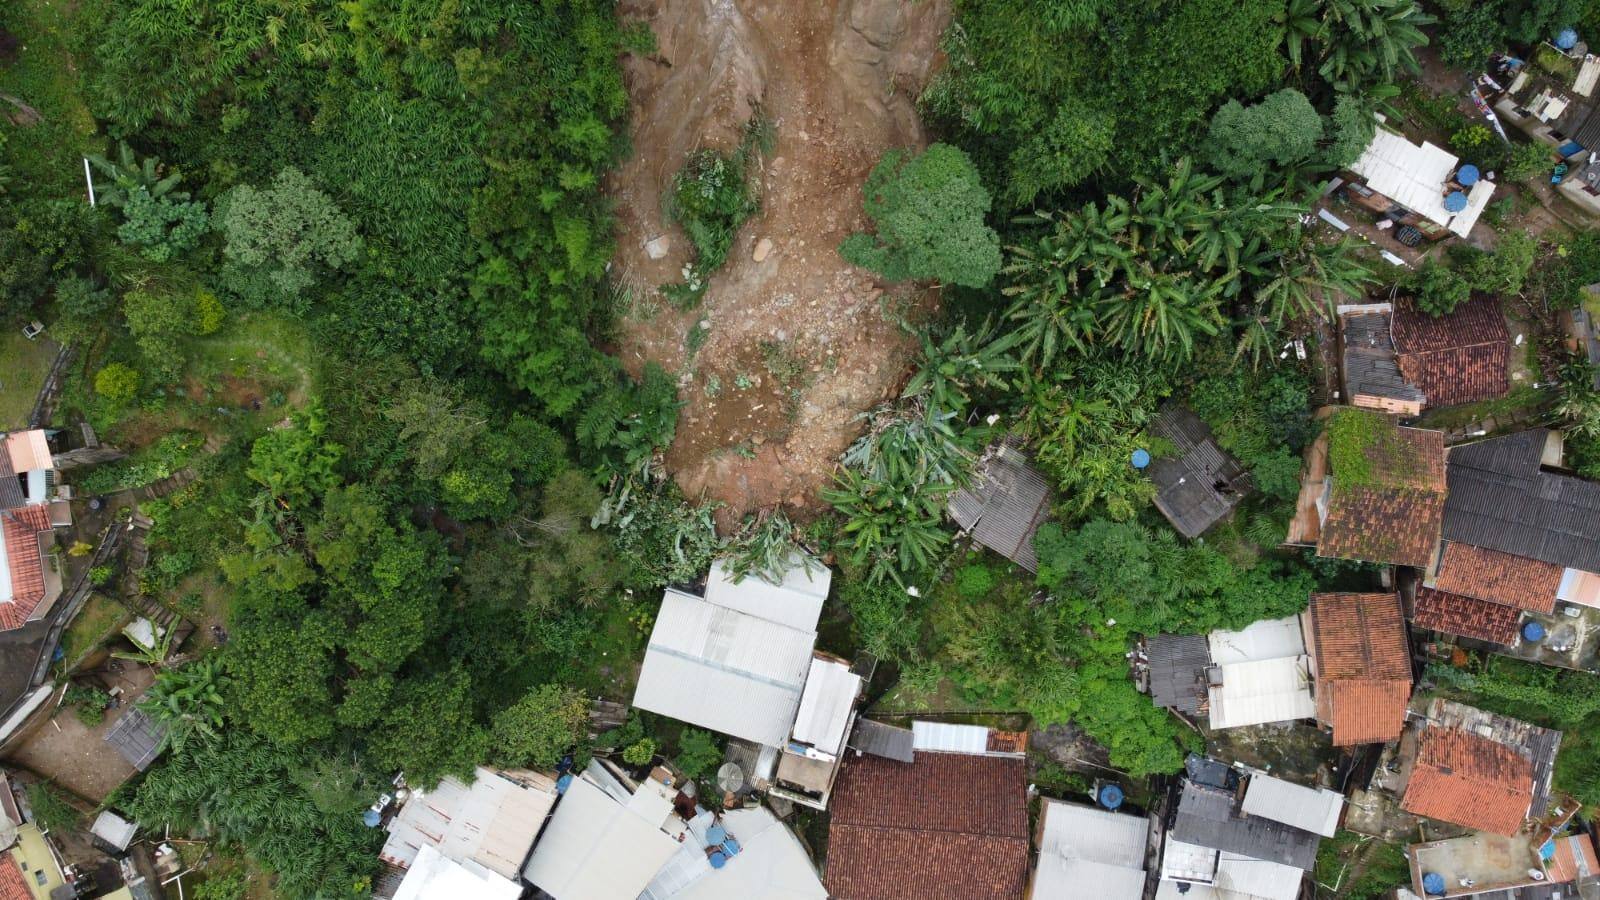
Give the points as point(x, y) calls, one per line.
point(730, 778)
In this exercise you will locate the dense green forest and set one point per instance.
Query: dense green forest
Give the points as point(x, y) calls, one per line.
point(364, 246)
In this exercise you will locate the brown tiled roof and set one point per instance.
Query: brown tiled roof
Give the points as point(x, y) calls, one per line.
point(1469, 780)
point(13, 884)
point(1502, 577)
point(1399, 526)
point(947, 825)
point(1455, 358)
point(1465, 616)
point(22, 528)
point(1363, 666)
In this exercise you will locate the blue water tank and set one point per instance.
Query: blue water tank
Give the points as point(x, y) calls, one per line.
point(371, 818)
point(1455, 202)
point(1110, 796)
point(1533, 631)
point(1433, 884)
point(563, 783)
point(1567, 39)
point(718, 859)
point(1547, 851)
point(1141, 458)
point(1467, 175)
point(731, 846)
point(716, 834)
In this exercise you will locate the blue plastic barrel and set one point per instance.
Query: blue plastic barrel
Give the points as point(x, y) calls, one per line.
point(1532, 631)
point(716, 834)
point(1141, 458)
point(731, 846)
point(563, 783)
point(1467, 175)
point(1455, 202)
point(1111, 796)
point(718, 859)
point(371, 818)
point(1433, 883)
point(1567, 39)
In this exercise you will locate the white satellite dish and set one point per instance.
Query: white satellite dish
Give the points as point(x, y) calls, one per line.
point(730, 778)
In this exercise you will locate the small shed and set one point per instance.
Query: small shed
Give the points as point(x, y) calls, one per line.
point(138, 738)
point(1005, 504)
point(112, 832)
point(1199, 485)
point(1178, 664)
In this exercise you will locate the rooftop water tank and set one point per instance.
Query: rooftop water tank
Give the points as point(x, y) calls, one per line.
point(1141, 458)
point(1532, 631)
point(716, 834)
point(371, 818)
point(731, 846)
point(1433, 884)
point(563, 783)
point(1455, 202)
point(1110, 796)
point(1567, 39)
point(718, 859)
point(1467, 175)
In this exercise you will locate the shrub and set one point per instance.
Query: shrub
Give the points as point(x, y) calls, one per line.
point(544, 724)
point(279, 239)
point(1526, 161)
point(640, 753)
point(698, 753)
point(117, 382)
point(1283, 128)
point(208, 312)
point(1439, 289)
point(929, 211)
point(51, 811)
point(162, 227)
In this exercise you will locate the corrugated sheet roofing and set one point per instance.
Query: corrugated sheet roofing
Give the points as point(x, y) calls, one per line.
point(1263, 691)
point(1178, 671)
point(1206, 817)
point(1309, 809)
point(435, 876)
point(1199, 485)
point(1415, 176)
point(824, 714)
point(595, 848)
point(796, 600)
point(882, 740)
point(724, 670)
point(947, 738)
point(137, 737)
point(1089, 854)
point(1005, 504)
point(1263, 639)
point(1500, 498)
point(771, 863)
point(491, 822)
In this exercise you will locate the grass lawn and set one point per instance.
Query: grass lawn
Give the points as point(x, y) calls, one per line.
point(260, 353)
point(23, 365)
point(49, 152)
point(100, 618)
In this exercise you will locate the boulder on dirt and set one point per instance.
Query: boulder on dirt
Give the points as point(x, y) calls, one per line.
point(763, 249)
point(657, 247)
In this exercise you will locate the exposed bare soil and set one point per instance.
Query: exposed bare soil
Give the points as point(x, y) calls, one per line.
point(797, 344)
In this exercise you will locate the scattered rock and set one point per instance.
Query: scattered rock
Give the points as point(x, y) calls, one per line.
point(705, 324)
point(657, 247)
point(763, 248)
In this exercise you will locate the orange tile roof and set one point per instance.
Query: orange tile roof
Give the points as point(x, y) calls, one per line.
point(1399, 526)
point(1469, 780)
point(1575, 856)
point(1465, 616)
point(13, 884)
point(21, 529)
point(1363, 666)
point(1502, 577)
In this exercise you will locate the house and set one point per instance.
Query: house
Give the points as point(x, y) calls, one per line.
point(1479, 770)
point(1361, 663)
point(948, 824)
point(1459, 357)
point(1246, 833)
point(1087, 853)
point(1259, 675)
point(1371, 368)
point(1384, 495)
point(736, 660)
point(32, 506)
point(1541, 865)
point(1417, 184)
point(1198, 485)
point(1175, 666)
point(809, 761)
point(1005, 503)
point(33, 863)
point(468, 840)
point(608, 836)
point(760, 858)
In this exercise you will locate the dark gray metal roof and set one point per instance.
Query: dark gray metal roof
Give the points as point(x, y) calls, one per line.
point(882, 740)
point(137, 738)
point(1369, 359)
point(1005, 504)
point(1206, 817)
point(1178, 671)
point(10, 488)
point(1499, 498)
point(1200, 485)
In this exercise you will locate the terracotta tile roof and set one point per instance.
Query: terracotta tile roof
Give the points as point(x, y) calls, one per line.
point(947, 825)
point(1393, 511)
point(22, 528)
point(1399, 526)
point(1465, 616)
point(1502, 577)
point(13, 884)
point(1469, 780)
point(1575, 857)
point(1363, 666)
point(1456, 358)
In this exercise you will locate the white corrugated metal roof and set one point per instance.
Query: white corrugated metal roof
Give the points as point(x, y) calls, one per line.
point(1266, 639)
point(596, 849)
point(1089, 854)
point(725, 670)
point(1268, 690)
point(1309, 809)
point(795, 601)
point(434, 877)
point(771, 864)
point(943, 737)
point(491, 822)
point(825, 705)
point(1181, 861)
point(1257, 877)
point(1411, 175)
point(113, 829)
point(1477, 202)
point(1588, 75)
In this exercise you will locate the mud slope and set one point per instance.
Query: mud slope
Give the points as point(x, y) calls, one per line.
point(797, 343)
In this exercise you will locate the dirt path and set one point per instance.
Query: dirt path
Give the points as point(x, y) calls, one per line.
point(795, 345)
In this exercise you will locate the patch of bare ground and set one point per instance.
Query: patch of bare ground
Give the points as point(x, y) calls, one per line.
point(838, 79)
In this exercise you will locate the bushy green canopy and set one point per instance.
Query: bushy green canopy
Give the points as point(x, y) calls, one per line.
point(929, 211)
